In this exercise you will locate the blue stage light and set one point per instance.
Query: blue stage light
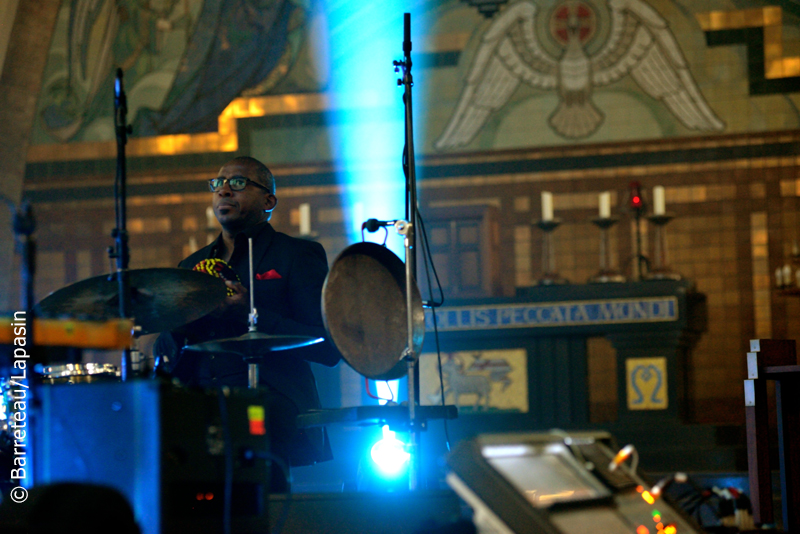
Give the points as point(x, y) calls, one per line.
point(366, 127)
point(367, 119)
point(390, 454)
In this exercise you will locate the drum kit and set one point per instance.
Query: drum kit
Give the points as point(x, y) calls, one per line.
point(161, 299)
point(363, 305)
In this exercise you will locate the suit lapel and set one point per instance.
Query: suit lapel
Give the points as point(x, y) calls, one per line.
point(262, 241)
point(213, 250)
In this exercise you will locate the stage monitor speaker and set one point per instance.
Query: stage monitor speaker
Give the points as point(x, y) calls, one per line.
point(162, 446)
point(558, 483)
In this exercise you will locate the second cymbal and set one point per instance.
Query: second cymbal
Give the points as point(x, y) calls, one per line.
point(253, 344)
point(161, 299)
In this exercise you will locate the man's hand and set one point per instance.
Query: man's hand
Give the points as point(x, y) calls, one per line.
point(237, 304)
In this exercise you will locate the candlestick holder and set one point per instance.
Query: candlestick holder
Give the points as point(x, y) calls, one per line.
point(660, 270)
point(549, 274)
point(606, 273)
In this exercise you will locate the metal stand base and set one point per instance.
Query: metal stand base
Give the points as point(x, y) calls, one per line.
point(551, 280)
point(607, 278)
point(663, 275)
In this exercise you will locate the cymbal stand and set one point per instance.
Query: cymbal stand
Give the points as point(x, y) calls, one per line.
point(407, 81)
point(24, 224)
point(406, 230)
point(120, 252)
point(252, 319)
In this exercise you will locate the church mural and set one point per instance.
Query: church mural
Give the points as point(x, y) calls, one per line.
point(184, 62)
point(636, 42)
point(534, 73)
point(563, 72)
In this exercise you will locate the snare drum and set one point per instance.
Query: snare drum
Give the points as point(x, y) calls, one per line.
point(79, 373)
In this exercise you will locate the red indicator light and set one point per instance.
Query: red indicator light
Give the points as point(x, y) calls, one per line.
point(255, 417)
point(657, 518)
point(257, 428)
point(209, 496)
point(640, 488)
point(636, 200)
point(641, 529)
point(199, 496)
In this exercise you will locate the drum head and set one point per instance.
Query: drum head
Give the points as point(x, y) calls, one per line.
point(364, 309)
point(80, 373)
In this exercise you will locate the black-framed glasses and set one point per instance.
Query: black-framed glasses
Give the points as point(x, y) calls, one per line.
point(237, 183)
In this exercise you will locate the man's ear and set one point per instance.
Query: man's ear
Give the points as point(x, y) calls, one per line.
point(270, 201)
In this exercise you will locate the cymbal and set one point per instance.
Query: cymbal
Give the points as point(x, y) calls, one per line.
point(161, 299)
point(253, 344)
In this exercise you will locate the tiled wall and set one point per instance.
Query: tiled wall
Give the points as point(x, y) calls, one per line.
point(735, 222)
point(736, 217)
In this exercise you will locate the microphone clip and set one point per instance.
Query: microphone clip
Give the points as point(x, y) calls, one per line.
point(373, 225)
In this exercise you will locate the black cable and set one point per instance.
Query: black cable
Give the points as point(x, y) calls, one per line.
point(228, 484)
point(275, 460)
point(281, 521)
point(427, 260)
point(427, 247)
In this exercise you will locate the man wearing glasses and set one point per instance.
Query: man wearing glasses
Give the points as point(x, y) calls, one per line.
point(288, 278)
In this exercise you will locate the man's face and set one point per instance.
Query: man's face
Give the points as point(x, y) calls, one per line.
point(240, 209)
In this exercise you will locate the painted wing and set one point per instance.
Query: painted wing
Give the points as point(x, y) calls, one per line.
point(642, 45)
point(508, 54)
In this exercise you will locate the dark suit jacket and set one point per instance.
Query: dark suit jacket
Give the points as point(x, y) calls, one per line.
point(287, 304)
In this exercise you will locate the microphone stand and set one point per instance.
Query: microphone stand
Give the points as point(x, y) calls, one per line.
point(409, 233)
point(120, 234)
point(24, 224)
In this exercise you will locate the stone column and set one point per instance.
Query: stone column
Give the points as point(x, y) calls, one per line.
point(20, 84)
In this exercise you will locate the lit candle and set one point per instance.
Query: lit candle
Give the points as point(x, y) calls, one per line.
point(605, 205)
point(305, 219)
point(659, 204)
point(547, 206)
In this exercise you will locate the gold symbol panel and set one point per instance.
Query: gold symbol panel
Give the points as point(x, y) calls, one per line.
point(646, 383)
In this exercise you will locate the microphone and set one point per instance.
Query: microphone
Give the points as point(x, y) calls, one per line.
point(372, 225)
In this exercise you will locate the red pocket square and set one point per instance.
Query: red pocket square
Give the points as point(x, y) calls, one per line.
point(272, 274)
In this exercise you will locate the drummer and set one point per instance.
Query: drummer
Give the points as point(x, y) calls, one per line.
point(288, 278)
